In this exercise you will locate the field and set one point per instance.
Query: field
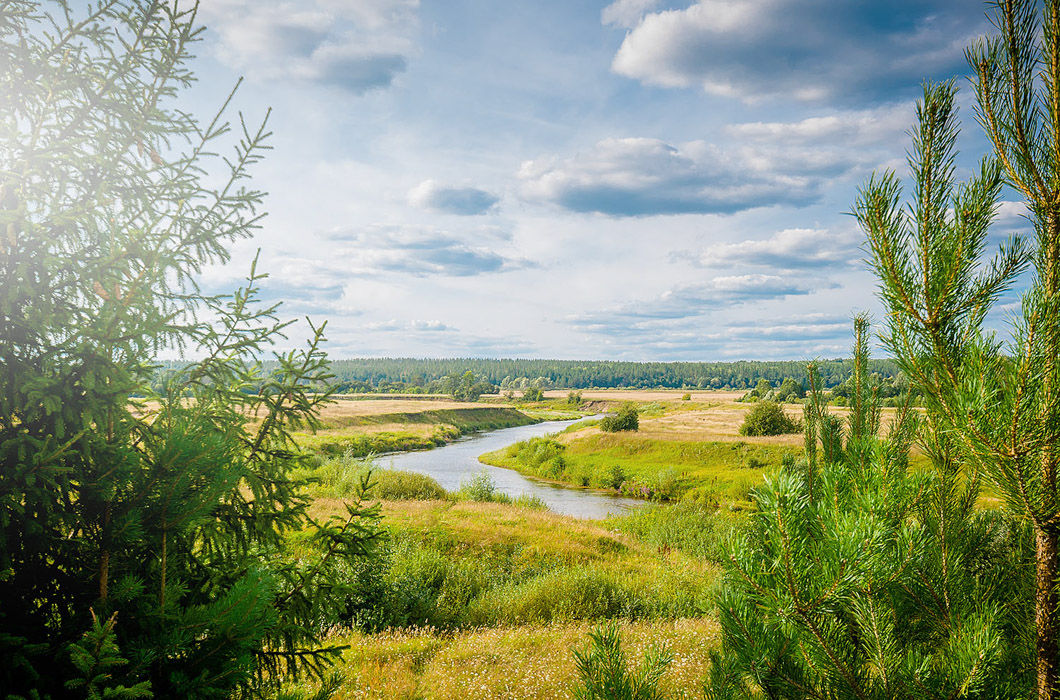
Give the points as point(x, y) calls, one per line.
point(370, 425)
point(487, 600)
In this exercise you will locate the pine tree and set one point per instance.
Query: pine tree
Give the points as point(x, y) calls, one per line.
point(999, 400)
point(859, 578)
point(177, 510)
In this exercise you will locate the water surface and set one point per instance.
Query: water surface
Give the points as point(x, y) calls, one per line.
point(457, 462)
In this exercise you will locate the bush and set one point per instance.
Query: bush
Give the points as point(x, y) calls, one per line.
point(483, 489)
point(626, 418)
point(768, 418)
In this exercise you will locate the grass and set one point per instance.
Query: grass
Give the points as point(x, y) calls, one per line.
point(708, 473)
point(465, 564)
point(532, 661)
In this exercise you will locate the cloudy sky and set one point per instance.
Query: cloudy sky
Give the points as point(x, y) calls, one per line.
point(637, 180)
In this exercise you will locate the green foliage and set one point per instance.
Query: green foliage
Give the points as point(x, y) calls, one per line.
point(789, 390)
point(604, 672)
point(625, 418)
point(424, 375)
point(483, 489)
point(858, 578)
point(998, 400)
point(532, 393)
point(574, 398)
point(95, 657)
point(175, 513)
point(466, 387)
point(768, 418)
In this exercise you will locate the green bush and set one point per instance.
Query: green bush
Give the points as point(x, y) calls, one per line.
point(768, 418)
point(626, 418)
point(483, 489)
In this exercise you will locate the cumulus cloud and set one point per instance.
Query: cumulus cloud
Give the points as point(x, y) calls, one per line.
point(795, 248)
point(691, 301)
point(421, 252)
point(806, 49)
point(626, 13)
point(352, 44)
point(464, 201)
point(761, 164)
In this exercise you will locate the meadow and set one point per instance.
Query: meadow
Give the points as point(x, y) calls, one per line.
point(473, 595)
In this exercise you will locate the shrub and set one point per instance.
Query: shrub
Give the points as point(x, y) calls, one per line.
point(686, 397)
point(483, 489)
point(626, 418)
point(768, 418)
point(533, 394)
point(574, 398)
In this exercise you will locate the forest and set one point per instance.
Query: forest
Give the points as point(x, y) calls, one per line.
point(376, 373)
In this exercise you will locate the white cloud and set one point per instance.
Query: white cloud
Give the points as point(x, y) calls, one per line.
point(760, 164)
point(463, 201)
point(626, 13)
point(794, 248)
point(357, 44)
point(808, 50)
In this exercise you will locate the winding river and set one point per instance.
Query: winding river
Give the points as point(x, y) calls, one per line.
point(457, 462)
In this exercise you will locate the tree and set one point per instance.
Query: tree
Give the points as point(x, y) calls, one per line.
point(790, 389)
point(1000, 400)
point(173, 512)
point(858, 578)
point(625, 418)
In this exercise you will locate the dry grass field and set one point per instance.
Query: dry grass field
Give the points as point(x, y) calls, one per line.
point(516, 662)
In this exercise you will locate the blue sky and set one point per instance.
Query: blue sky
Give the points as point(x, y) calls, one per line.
point(631, 180)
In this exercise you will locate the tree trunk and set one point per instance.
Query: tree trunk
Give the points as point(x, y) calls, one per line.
point(1045, 607)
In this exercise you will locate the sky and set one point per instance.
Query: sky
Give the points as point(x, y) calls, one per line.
point(635, 180)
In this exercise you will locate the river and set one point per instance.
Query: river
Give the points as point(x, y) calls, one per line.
point(457, 462)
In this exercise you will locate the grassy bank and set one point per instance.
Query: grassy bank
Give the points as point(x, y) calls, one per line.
point(362, 434)
point(708, 473)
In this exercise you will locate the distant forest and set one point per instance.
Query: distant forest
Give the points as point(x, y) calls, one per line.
point(395, 374)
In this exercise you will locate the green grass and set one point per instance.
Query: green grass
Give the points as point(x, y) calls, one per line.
point(456, 565)
point(707, 473)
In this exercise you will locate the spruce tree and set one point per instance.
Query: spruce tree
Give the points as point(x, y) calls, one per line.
point(176, 510)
